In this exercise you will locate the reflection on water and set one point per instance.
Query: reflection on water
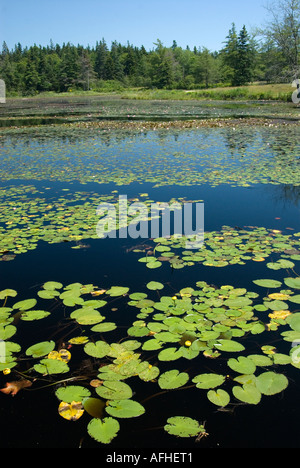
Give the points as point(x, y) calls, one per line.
point(235, 156)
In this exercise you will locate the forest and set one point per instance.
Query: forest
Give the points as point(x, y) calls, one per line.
point(268, 56)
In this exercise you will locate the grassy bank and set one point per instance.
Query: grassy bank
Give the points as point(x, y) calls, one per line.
point(254, 92)
point(268, 92)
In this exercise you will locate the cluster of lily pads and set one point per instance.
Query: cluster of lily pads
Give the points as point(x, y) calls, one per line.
point(229, 246)
point(235, 156)
point(202, 322)
point(29, 215)
point(197, 323)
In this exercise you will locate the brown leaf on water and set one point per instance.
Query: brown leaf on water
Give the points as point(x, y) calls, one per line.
point(14, 387)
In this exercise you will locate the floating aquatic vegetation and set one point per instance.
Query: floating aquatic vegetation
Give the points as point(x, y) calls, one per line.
point(195, 338)
point(238, 156)
point(197, 323)
point(229, 246)
point(29, 216)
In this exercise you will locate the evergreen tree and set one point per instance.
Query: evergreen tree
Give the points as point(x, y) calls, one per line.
point(238, 57)
point(243, 67)
point(100, 59)
point(69, 67)
point(229, 54)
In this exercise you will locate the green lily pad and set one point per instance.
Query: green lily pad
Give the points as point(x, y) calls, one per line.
point(104, 327)
point(147, 372)
point(172, 379)
point(155, 285)
point(51, 285)
point(242, 364)
point(294, 321)
point(7, 293)
point(218, 397)
point(25, 305)
point(238, 302)
point(268, 283)
point(207, 381)
point(293, 283)
point(117, 291)
point(153, 265)
point(277, 305)
point(114, 390)
point(72, 393)
point(228, 345)
point(87, 316)
point(99, 349)
point(182, 426)
point(270, 383)
point(30, 315)
point(247, 393)
point(7, 332)
point(51, 366)
point(103, 430)
point(295, 299)
point(48, 293)
point(125, 408)
point(40, 349)
point(169, 354)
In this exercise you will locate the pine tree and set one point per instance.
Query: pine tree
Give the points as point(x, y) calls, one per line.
point(229, 55)
point(100, 59)
point(243, 67)
point(238, 57)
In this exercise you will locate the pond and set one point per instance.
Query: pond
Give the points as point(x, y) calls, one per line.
point(146, 340)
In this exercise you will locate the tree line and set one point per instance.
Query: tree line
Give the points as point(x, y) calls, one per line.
point(267, 55)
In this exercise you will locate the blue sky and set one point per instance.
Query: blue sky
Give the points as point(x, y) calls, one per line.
point(200, 23)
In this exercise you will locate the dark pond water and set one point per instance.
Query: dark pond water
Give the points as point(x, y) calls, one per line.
point(247, 178)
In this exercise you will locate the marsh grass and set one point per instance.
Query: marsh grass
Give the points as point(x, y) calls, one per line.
point(254, 92)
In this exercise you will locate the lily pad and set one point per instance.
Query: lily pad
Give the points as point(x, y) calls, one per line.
point(51, 366)
point(51, 285)
point(173, 379)
point(270, 383)
point(218, 397)
point(267, 283)
point(25, 305)
point(242, 364)
point(72, 393)
point(155, 285)
point(125, 408)
point(207, 381)
point(87, 316)
point(182, 426)
point(293, 283)
point(103, 430)
point(7, 293)
point(114, 390)
point(30, 315)
point(117, 291)
point(99, 349)
point(228, 345)
point(40, 349)
point(247, 393)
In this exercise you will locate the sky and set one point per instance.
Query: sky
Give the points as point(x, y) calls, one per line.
point(200, 23)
